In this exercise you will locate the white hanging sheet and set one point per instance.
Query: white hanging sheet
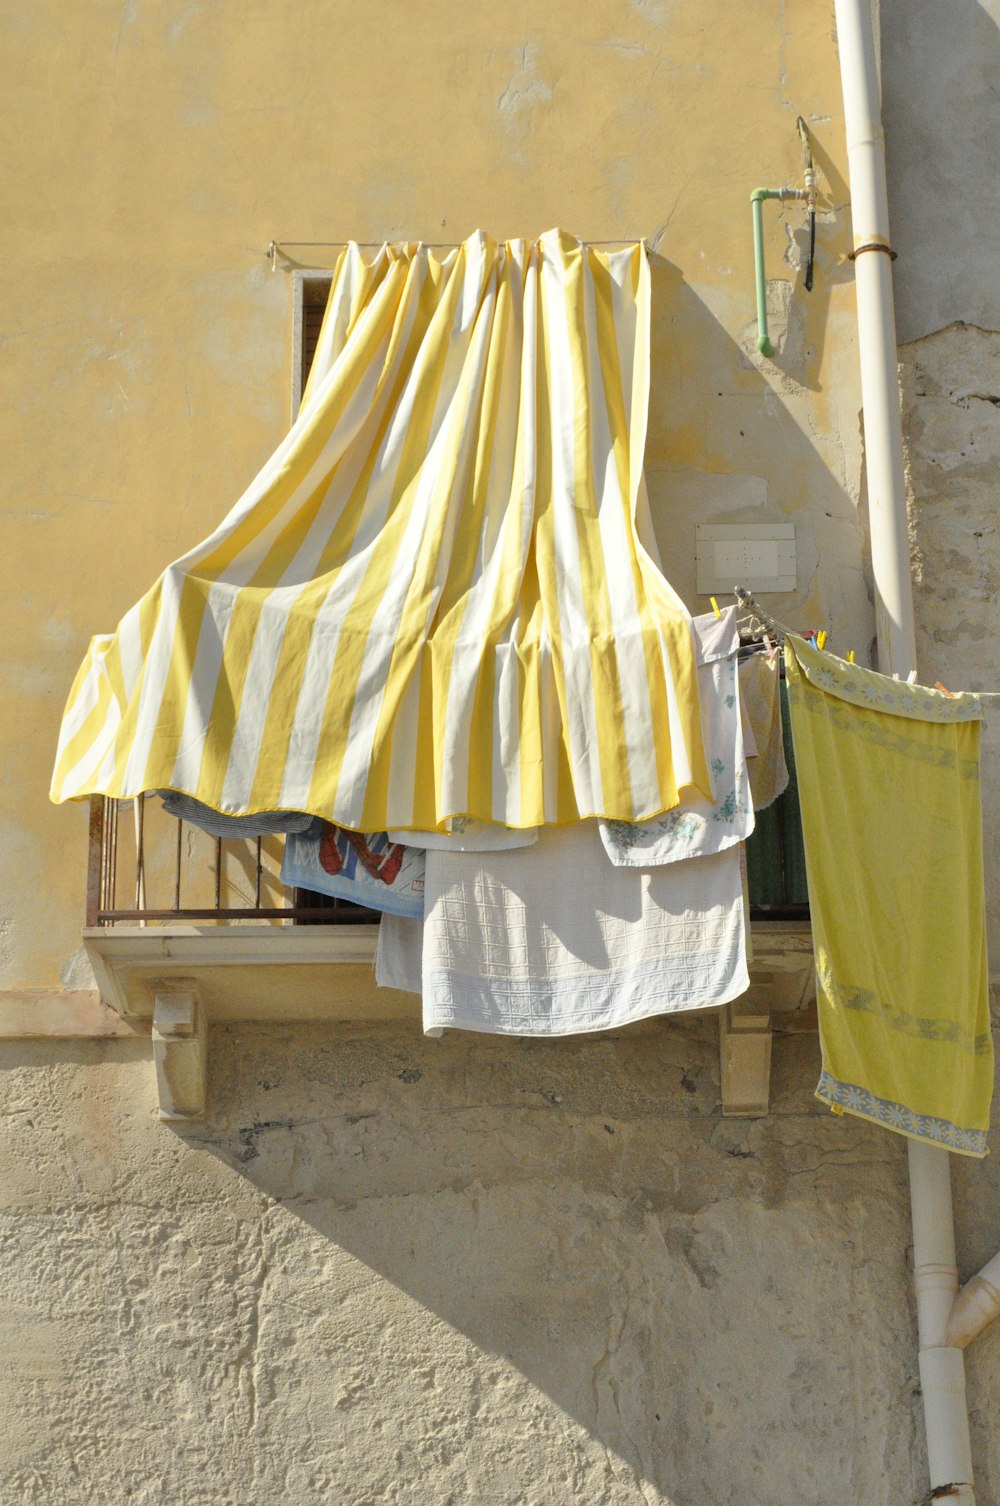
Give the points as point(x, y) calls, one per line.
point(555, 940)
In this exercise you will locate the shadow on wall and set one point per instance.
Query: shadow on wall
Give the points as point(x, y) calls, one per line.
point(533, 1271)
point(549, 1271)
point(736, 439)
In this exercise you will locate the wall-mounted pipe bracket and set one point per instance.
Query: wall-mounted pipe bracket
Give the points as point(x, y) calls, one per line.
point(757, 207)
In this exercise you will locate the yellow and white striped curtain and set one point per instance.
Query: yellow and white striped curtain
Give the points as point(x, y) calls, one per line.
point(434, 599)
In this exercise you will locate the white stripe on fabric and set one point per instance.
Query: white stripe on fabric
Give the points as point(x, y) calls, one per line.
point(154, 678)
point(367, 708)
point(202, 686)
point(83, 772)
point(574, 630)
point(613, 511)
point(336, 606)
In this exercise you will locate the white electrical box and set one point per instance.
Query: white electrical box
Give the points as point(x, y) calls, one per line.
point(757, 556)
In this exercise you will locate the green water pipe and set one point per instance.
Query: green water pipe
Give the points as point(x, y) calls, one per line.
point(757, 205)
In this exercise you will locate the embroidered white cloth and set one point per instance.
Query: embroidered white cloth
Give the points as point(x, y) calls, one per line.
point(465, 834)
point(698, 826)
point(555, 940)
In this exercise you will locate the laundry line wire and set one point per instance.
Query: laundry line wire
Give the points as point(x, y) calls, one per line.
point(758, 621)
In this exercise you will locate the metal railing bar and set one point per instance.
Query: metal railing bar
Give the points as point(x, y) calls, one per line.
point(112, 812)
point(333, 917)
point(139, 810)
point(95, 860)
point(177, 865)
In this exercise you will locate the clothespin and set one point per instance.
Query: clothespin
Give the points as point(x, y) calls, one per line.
point(911, 678)
point(850, 656)
point(715, 606)
point(821, 637)
point(944, 690)
point(771, 650)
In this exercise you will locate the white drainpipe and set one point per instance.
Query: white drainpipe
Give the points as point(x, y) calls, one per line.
point(946, 1321)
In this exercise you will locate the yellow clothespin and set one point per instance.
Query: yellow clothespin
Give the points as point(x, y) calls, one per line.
point(850, 656)
point(821, 638)
point(715, 606)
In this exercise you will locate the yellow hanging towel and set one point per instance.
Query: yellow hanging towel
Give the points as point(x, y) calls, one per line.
point(888, 777)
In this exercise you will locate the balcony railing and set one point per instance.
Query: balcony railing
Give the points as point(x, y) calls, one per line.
point(146, 867)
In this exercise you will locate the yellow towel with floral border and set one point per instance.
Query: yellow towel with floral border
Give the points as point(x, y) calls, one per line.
point(888, 777)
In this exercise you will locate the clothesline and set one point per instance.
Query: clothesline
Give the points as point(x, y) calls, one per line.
point(760, 621)
point(276, 248)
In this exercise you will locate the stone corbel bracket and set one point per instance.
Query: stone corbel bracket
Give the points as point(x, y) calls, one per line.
point(180, 1039)
point(745, 1051)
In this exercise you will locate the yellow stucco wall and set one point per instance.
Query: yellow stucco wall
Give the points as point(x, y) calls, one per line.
point(154, 150)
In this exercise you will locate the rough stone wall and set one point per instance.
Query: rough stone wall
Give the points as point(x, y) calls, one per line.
point(391, 1270)
point(950, 387)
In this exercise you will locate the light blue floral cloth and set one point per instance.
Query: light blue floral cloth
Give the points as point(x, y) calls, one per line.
point(698, 827)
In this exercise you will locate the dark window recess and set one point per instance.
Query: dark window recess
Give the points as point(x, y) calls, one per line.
point(315, 292)
point(335, 911)
point(776, 861)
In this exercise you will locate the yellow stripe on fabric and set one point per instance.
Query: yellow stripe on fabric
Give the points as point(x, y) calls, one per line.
point(74, 750)
point(413, 602)
point(627, 484)
point(481, 761)
point(532, 803)
point(453, 605)
point(353, 285)
point(169, 705)
point(149, 615)
point(353, 642)
point(246, 604)
point(542, 555)
point(327, 340)
point(616, 787)
point(101, 667)
point(259, 596)
point(451, 518)
point(314, 602)
point(403, 551)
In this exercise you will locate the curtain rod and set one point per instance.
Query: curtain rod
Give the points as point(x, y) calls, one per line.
point(275, 249)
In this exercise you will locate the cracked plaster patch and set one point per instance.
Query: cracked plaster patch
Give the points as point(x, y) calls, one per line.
point(523, 90)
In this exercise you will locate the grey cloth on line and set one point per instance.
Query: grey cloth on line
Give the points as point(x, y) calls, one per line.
point(217, 824)
point(698, 826)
